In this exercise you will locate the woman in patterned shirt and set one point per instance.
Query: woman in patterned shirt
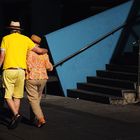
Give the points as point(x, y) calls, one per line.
point(36, 78)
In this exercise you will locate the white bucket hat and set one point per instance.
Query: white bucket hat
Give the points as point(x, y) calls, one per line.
point(15, 25)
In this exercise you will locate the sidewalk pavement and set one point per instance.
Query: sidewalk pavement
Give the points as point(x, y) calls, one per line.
point(75, 119)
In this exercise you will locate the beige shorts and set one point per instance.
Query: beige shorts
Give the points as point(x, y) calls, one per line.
point(13, 82)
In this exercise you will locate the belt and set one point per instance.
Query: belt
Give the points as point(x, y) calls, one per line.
point(15, 69)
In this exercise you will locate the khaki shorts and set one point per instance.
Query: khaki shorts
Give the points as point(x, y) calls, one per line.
point(13, 82)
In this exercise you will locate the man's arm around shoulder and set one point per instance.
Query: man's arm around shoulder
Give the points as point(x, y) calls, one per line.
point(39, 50)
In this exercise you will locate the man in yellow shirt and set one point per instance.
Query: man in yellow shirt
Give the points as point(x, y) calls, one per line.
point(14, 49)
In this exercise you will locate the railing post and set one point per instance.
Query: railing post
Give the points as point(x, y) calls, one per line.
point(138, 83)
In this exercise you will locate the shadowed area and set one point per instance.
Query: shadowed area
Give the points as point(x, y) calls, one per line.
point(69, 119)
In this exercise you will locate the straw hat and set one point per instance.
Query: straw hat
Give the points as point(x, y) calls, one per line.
point(36, 39)
point(15, 25)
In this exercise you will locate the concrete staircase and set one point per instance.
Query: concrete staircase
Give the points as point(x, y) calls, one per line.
point(114, 85)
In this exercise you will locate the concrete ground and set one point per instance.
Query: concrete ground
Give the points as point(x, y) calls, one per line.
point(75, 119)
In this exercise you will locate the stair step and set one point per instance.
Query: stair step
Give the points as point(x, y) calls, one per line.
point(90, 96)
point(117, 75)
point(111, 82)
point(128, 58)
point(52, 79)
point(122, 68)
point(114, 91)
point(53, 86)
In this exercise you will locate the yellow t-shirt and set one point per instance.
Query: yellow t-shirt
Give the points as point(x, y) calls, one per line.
point(16, 46)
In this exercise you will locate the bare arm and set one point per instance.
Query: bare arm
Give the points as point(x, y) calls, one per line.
point(39, 50)
point(2, 55)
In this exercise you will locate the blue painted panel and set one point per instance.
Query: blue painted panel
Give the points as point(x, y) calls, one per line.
point(70, 39)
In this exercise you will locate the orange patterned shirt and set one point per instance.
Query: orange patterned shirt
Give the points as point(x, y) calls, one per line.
point(37, 66)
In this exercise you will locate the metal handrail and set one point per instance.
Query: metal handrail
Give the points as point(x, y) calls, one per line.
point(89, 45)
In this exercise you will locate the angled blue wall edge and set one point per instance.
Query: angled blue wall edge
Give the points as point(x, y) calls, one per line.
point(70, 39)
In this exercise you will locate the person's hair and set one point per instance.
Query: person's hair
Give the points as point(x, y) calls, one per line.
point(15, 31)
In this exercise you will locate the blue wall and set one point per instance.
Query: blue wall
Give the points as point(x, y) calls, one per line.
point(70, 39)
